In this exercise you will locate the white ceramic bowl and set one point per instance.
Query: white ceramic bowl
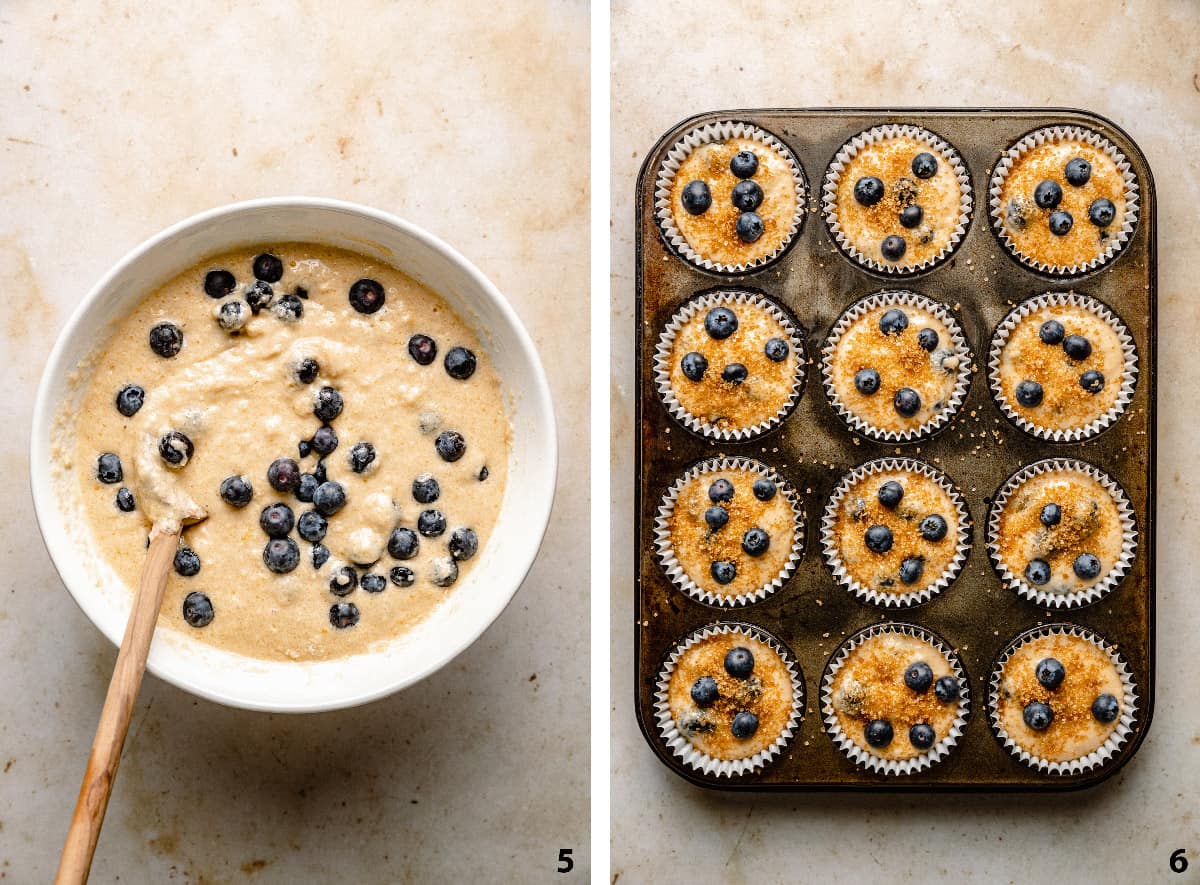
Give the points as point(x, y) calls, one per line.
point(503, 563)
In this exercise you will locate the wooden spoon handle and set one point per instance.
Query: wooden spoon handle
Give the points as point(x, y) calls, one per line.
point(76, 860)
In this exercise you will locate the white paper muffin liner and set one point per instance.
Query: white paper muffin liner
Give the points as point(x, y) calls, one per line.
point(1016, 582)
point(666, 551)
point(683, 748)
point(898, 298)
point(1048, 134)
point(863, 756)
point(1128, 375)
point(937, 145)
point(1102, 754)
point(829, 537)
point(711, 133)
point(731, 298)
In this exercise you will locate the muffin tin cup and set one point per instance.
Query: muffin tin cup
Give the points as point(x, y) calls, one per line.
point(1129, 374)
point(1016, 582)
point(682, 748)
point(898, 298)
point(1102, 755)
point(1054, 134)
point(864, 757)
point(707, 134)
point(829, 534)
point(662, 363)
point(666, 553)
point(850, 150)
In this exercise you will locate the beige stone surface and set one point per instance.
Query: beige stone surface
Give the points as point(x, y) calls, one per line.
point(1133, 62)
point(470, 119)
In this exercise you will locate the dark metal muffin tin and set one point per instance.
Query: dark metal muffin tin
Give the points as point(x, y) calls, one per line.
point(978, 450)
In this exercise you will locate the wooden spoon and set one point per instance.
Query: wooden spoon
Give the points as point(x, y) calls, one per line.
point(76, 860)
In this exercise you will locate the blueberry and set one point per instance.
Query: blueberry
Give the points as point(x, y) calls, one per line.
point(463, 544)
point(403, 543)
point(431, 523)
point(329, 498)
point(1077, 347)
point(747, 196)
point(219, 283)
point(1102, 212)
point(1051, 515)
point(893, 322)
point(259, 296)
point(343, 614)
point(232, 316)
point(320, 555)
point(276, 520)
point(933, 527)
point(176, 449)
point(866, 381)
point(734, 373)
point(289, 308)
point(1087, 566)
point(301, 292)
point(281, 555)
point(1029, 394)
point(1060, 222)
point(720, 491)
point(922, 736)
point(947, 689)
point(720, 323)
point(450, 445)
point(907, 402)
point(108, 469)
point(1078, 171)
point(893, 247)
point(890, 494)
point(402, 576)
point(187, 562)
point(1047, 194)
point(283, 475)
point(166, 339)
point(919, 676)
point(764, 489)
point(878, 539)
point(868, 190)
point(749, 227)
point(739, 662)
point(1092, 381)
point(723, 571)
point(694, 365)
point(744, 164)
point(1052, 332)
point(1050, 672)
point(366, 296)
point(1037, 572)
point(696, 198)
point(1105, 708)
point(911, 569)
point(125, 501)
point(776, 350)
point(327, 404)
point(307, 370)
point(744, 725)
point(704, 691)
point(755, 541)
point(304, 447)
point(483, 473)
point(426, 489)
point(459, 363)
point(312, 526)
point(324, 440)
point(716, 517)
point(236, 491)
point(928, 339)
point(129, 399)
point(878, 732)
point(268, 268)
point(443, 571)
point(361, 456)
point(197, 609)
point(422, 349)
point(924, 165)
point(911, 216)
point(343, 581)
point(1038, 716)
point(374, 583)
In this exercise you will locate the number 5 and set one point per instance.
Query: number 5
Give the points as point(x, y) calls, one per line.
point(566, 863)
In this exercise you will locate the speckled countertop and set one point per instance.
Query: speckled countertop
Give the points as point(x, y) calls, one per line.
point(1135, 63)
point(117, 122)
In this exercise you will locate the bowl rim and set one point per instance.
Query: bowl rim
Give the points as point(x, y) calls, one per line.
point(536, 507)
